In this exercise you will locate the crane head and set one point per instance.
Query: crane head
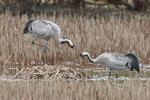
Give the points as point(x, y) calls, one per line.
point(81, 55)
point(84, 54)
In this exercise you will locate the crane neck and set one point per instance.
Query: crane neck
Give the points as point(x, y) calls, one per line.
point(91, 60)
point(63, 41)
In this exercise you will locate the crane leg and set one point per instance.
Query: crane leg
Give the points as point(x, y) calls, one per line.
point(44, 61)
point(116, 75)
point(109, 74)
point(45, 47)
point(33, 42)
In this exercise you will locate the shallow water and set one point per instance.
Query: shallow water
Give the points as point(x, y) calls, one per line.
point(120, 78)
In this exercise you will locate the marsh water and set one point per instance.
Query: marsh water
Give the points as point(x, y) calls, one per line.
point(98, 72)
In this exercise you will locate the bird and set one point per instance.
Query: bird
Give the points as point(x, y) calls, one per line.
point(115, 61)
point(46, 30)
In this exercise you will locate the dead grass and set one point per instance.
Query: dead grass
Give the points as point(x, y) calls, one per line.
point(74, 90)
point(96, 36)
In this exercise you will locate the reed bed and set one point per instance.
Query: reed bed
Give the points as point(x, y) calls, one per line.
point(74, 90)
point(95, 35)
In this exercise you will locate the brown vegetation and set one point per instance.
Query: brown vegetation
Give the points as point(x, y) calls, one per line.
point(74, 90)
point(49, 6)
point(51, 72)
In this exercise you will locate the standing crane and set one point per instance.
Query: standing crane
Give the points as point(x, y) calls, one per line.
point(115, 61)
point(45, 30)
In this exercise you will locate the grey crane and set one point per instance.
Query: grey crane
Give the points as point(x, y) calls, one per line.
point(45, 30)
point(115, 61)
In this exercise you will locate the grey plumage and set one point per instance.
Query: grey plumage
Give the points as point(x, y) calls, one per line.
point(115, 61)
point(45, 30)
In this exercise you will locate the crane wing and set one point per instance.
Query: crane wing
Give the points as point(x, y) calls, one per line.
point(119, 62)
point(41, 28)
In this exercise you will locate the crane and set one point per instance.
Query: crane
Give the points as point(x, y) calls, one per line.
point(46, 30)
point(115, 61)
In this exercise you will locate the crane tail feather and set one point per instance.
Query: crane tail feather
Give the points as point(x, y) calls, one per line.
point(27, 26)
point(133, 60)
